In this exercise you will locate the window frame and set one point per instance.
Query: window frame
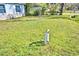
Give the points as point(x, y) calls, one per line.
point(3, 8)
point(18, 8)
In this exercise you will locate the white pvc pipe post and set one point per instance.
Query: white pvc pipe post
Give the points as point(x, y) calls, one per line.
point(46, 39)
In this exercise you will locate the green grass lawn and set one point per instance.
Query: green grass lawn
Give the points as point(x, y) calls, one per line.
point(24, 36)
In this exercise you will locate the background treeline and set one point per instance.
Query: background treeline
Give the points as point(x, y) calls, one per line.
point(37, 9)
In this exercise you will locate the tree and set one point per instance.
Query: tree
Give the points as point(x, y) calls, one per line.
point(61, 8)
point(27, 8)
point(53, 8)
point(43, 6)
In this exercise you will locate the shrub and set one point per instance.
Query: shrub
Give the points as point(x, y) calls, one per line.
point(72, 16)
point(34, 12)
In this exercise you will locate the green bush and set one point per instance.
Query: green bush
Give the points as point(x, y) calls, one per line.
point(53, 12)
point(34, 12)
point(31, 12)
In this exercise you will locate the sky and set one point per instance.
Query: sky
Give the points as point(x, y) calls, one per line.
point(39, 1)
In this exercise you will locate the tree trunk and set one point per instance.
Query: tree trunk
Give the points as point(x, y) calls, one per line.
point(61, 8)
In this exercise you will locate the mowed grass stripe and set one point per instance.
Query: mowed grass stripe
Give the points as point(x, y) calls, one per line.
point(16, 36)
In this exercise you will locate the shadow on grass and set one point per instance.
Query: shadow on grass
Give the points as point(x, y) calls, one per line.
point(60, 17)
point(15, 20)
point(37, 43)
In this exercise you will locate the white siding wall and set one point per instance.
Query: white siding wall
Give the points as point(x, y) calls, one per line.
point(23, 10)
point(10, 10)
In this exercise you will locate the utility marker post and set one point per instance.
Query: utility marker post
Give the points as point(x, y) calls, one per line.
point(46, 39)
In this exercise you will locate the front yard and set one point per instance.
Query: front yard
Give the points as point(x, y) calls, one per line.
point(24, 36)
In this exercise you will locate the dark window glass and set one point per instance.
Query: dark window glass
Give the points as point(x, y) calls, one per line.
point(2, 9)
point(18, 9)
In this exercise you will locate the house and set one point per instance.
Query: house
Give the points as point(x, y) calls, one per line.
point(11, 10)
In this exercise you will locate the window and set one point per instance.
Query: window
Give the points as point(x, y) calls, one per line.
point(2, 9)
point(18, 9)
